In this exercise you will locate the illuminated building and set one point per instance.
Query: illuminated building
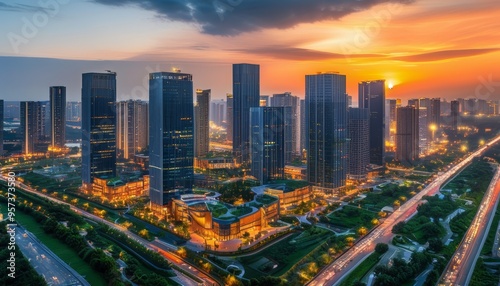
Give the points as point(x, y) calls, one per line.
point(211, 218)
point(214, 163)
point(423, 130)
point(292, 138)
point(171, 142)
point(326, 124)
point(289, 197)
point(303, 127)
point(32, 126)
point(268, 129)
point(73, 111)
point(371, 95)
point(264, 101)
point(218, 112)
point(455, 106)
point(132, 127)
point(202, 122)
point(407, 135)
point(58, 116)
point(246, 94)
point(434, 115)
point(359, 153)
point(115, 189)
point(98, 127)
point(1, 127)
point(296, 172)
point(229, 117)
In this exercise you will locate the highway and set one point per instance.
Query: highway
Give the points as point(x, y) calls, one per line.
point(333, 273)
point(461, 266)
point(154, 245)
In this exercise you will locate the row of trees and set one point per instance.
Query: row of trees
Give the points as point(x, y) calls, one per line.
point(401, 272)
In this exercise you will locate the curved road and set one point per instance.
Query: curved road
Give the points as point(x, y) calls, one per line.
point(347, 262)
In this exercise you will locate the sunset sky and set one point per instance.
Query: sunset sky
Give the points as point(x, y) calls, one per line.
point(424, 48)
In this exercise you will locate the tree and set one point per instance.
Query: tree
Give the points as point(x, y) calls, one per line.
point(381, 248)
point(435, 244)
point(398, 228)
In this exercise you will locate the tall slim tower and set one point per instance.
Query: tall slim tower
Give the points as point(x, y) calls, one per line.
point(1, 127)
point(288, 100)
point(267, 138)
point(303, 127)
point(407, 150)
point(132, 127)
point(32, 122)
point(98, 126)
point(455, 107)
point(201, 122)
point(359, 152)
point(246, 93)
point(57, 116)
point(171, 142)
point(326, 120)
point(229, 116)
point(372, 96)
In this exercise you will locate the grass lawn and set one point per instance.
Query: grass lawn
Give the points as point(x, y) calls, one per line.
point(360, 271)
point(352, 217)
point(63, 251)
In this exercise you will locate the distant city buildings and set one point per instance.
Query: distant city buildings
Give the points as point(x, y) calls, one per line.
point(267, 142)
point(326, 125)
point(171, 143)
point(202, 122)
point(73, 111)
point(246, 94)
point(132, 127)
point(218, 112)
point(407, 135)
point(57, 116)
point(371, 95)
point(98, 127)
point(1, 126)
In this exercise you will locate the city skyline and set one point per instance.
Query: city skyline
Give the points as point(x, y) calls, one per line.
point(365, 40)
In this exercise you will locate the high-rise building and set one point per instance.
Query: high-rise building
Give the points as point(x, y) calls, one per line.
point(264, 100)
point(1, 127)
point(455, 111)
point(246, 92)
point(390, 119)
point(407, 151)
point(303, 127)
point(326, 124)
point(98, 127)
point(32, 126)
point(229, 116)
point(372, 96)
point(171, 142)
point(267, 139)
point(201, 123)
point(293, 139)
point(58, 116)
point(132, 127)
point(423, 130)
point(415, 103)
point(359, 151)
point(434, 117)
point(45, 124)
point(218, 112)
point(73, 111)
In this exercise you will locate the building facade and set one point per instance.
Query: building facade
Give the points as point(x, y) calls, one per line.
point(407, 139)
point(32, 126)
point(293, 138)
point(359, 152)
point(132, 127)
point(202, 122)
point(58, 116)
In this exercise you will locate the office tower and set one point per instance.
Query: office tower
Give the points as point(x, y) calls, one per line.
point(326, 123)
point(455, 106)
point(303, 127)
point(73, 111)
point(1, 127)
point(246, 89)
point(229, 116)
point(424, 102)
point(372, 96)
point(407, 150)
point(202, 123)
point(98, 127)
point(414, 102)
point(390, 119)
point(359, 151)
point(423, 130)
point(267, 139)
point(434, 117)
point(288, 100)
point(218, 112)
point(171, 142)
point(264, 100)
point(349, 101)
point(46, 123)
point(32, 126)
point(132, 127)
point(57, 116)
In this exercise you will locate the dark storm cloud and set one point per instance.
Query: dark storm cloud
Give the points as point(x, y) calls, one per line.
point(444, 55)
point(299, 54)
point(18, 7)
point(232, 17)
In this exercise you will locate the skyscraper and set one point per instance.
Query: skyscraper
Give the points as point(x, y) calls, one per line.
point(98, 126)
point(132, 128)
point(407, 150)
point(57, 116)
point(267, 138)
point(303, 127)
point(390, 119)
point(326, 123)
point(264, 100)
point(246, 92)
point(32, 126)
point(202, 122)
point(372, 96)
point(455, 107)
point(434, 117)
point(288, 100)
point(1, 127)
point(229, 116)
point(171, 142)
point(73, 111)
point(218, 112)
point(359, 152)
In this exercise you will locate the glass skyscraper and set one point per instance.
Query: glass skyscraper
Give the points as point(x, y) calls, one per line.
point(326, 123)
point(57, 116)
point(267, 140)
point(359, 155)
point(246, 94)
point(371, 95)
point(171, 142)
point(98, 126)
point(202, 122)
